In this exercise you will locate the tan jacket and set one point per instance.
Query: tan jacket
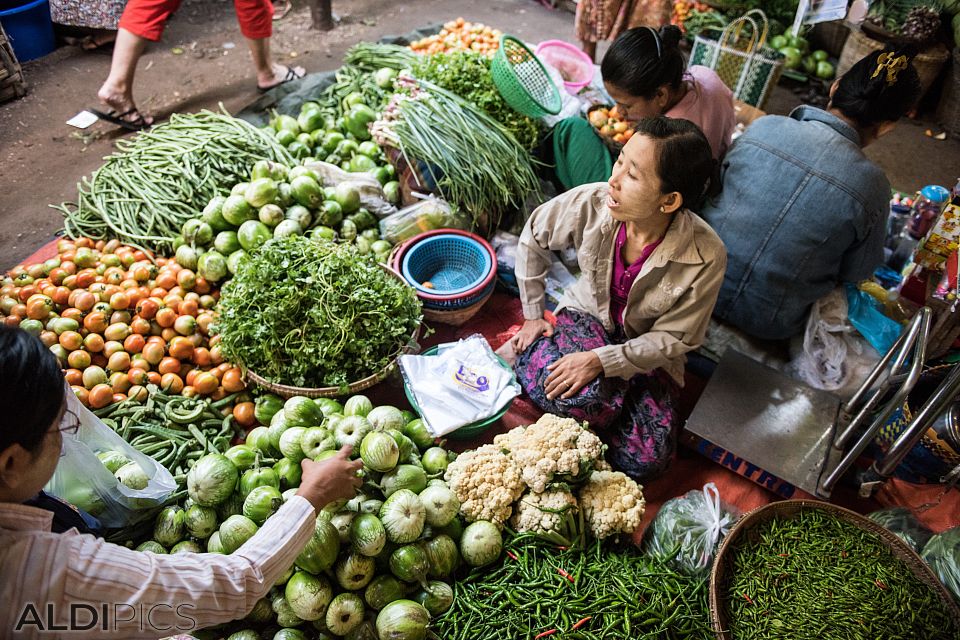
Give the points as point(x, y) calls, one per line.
point(669, 306)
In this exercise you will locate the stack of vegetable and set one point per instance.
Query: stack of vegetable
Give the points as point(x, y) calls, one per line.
point(475, 162)
point(695, 17)
point(314, 314)
point(467, 74)
point(599, 593)
point(375, 564)
point(813, 573)
point(549, 478)
point(160, 178)
point(458, 35)
point(611, 124)
point(176, 430)
point(117, 319)
point(277, 202)
point(798, 57)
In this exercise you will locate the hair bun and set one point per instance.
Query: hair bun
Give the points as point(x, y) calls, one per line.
point(670, 35)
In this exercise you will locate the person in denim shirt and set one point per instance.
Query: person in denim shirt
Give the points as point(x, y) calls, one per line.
point(802, 208)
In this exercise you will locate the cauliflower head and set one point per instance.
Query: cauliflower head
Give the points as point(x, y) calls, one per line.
point(552, 449)
point(543, 512)
point(612, 503)
point(487, 481)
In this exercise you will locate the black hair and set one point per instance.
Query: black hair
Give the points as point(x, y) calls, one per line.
point(684, 160)
point(32, 389)
point(877, 89)
point(643, 59)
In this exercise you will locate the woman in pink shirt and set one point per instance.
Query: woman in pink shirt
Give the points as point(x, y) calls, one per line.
point(645, 74)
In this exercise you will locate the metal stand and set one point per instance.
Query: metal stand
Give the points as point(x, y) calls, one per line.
point(790, 435)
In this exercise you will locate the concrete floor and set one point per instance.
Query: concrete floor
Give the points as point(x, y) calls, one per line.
point(202, 61)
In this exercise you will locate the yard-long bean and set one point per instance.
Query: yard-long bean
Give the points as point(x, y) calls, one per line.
point(154, 182)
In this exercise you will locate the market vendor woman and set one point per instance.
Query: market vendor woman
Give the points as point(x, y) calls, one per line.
point(45, 575)
point(650, 273)
point(645, 73)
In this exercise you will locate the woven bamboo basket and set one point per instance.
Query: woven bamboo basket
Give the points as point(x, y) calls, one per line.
point(745, 529)
point(928, 63)
point(288, 391)
point(12, 84)
point(830, 36)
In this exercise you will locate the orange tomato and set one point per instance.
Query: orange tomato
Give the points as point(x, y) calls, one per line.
point(82, 395)
point(171, 383)
point(202, 286)
point(233, 380)
point(120, 361)
point(180, 348)
point(84, 300)
point(201, 357)
point(147, 308)
point(204, 320)
point(153, 352)
point(73, 377)
point(79, 359)
point(137, 376)
point(100, 396)
point(219, 394)
point(187, 279)
point(134, 343)
point(61, 295)
point(168, 365)
point(86, 277)
point(189, 308)
point(243, 414)
point(49, 338)
point(99, 359)
point(205, 383)
point(93, 343)
point(119, 301)
point(117, 331)
point(72, 313)
point(111, 347)
point(166, 279)
point(138, 393)
point(140, 326)
point(189, 392)
point(166, 317)
point(120, 382)
point(168, 334)
point(71, 340)
point(153, 377)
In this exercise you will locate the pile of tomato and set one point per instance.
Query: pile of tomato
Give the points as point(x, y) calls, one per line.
point(119, 318)
point(460, 35)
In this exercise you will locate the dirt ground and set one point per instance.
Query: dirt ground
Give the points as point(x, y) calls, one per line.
point(202, 61)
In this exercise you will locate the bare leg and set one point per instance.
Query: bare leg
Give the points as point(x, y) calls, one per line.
point(269, 73)
point(590, 48)
point(117, 91)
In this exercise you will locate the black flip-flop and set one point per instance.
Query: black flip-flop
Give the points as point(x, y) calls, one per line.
point(118, 119)
point(291, 75)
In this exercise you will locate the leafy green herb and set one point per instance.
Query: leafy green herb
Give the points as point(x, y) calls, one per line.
point(314, 314)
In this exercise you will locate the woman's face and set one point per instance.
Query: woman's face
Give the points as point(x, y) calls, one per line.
point(633, 107)
point(635, 194)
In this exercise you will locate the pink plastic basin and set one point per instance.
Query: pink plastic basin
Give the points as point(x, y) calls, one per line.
point(574, 65)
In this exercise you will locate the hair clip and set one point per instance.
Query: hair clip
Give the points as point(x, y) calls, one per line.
point(892, 65)
point(656, 38)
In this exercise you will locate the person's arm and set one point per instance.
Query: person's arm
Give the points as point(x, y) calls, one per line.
point(861, 259)
point(679, 330)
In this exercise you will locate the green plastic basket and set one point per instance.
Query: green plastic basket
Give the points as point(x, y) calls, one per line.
point(469, 431)
point(523, 81)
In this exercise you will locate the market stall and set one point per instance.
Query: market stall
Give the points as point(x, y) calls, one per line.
point(236, 295)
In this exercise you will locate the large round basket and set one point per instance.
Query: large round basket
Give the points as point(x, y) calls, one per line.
point(746, 530)
point(927, 63)
point(287, 391)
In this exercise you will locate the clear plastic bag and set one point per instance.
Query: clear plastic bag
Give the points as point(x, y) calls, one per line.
point(372, 197)
point(687, 529)
point(82, 479)
point(904, 524)
point(942, 553)
point(431, 213)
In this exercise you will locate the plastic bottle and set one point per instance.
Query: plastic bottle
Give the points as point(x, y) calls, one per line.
point(926, 209)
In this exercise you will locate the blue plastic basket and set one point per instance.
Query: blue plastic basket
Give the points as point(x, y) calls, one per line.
point(452, 264)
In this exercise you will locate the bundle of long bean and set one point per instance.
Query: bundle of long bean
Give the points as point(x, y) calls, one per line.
point(371, 56)
point(174, 430)
point(816, 576)
point(599, 593)
point(162, 177)
point(473, 159)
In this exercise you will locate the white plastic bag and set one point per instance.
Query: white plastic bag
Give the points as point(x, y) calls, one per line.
point(372, 197)
point(428, 214)
point(462, 384)
point(82, 479)
point(687, 529)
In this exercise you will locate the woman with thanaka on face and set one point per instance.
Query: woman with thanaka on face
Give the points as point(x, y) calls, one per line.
point(645, 74)
point(651, 270)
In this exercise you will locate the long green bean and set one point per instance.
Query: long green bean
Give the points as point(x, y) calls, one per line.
point(160, 178)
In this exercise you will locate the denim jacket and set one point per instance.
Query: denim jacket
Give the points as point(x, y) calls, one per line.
point(670, 302)
point(802, 210)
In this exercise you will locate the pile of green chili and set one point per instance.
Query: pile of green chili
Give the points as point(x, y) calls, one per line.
point(817, 576)
point(162, 177)
point(541, 590)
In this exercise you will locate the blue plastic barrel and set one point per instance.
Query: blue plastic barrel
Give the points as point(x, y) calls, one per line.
point(29, 29)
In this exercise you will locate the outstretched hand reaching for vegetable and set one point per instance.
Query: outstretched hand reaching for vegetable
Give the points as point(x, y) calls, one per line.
point(330, 480)
point(529, 333)
point(571, 373)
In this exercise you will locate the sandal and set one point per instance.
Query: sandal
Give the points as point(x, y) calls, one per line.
point(291, 74)
point(137, 124)
point(280, 15)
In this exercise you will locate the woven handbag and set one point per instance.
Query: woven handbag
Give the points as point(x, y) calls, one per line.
point(741, 58)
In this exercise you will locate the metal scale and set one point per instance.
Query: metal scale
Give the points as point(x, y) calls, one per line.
point(785, 435)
